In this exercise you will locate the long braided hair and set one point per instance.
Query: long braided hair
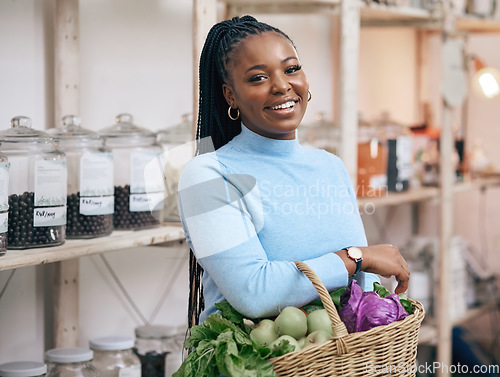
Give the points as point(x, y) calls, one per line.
point(221, 42)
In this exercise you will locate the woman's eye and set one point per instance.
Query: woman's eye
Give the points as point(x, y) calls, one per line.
point(293, 69)
point(256, 78)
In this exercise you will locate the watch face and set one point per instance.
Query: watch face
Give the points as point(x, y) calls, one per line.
point(354, 252)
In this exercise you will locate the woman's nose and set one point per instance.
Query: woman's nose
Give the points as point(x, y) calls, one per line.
point(280, 84)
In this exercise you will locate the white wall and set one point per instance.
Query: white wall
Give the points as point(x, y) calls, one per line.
point(26, 77)
point(136, 57)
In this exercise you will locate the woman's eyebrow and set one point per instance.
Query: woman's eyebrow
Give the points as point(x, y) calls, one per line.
point(258, 66)
point(262, 66)
point(289, 58)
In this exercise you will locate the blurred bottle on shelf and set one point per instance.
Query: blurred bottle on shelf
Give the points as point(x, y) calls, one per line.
point(372, 161)
point(114, 356)
point(70, 362)
point(321, 133)
point(23, 369)
point(398, 141)
point(177, 143)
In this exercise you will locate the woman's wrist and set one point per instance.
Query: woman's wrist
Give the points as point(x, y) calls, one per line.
point(350, 264)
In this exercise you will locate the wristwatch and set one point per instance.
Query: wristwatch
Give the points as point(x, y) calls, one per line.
point(356, 255)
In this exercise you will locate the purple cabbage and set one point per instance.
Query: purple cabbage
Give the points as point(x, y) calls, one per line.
point(361, 311)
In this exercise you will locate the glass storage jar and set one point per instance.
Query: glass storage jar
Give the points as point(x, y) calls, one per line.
point(23, 369)
point(175, 348)
point(114, 356)
point(178, 147)
point(90, 203)
point(321, 133)
point(4, 202)
point(138, 177)
point(398, 143)
point(37, 187)
point(70, 362)
point(151, 346)
point(372, 161)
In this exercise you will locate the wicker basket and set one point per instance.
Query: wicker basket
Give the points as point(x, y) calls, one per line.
point(388, 350)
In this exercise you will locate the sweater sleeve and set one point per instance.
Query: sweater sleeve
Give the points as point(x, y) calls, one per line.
point(223, 234)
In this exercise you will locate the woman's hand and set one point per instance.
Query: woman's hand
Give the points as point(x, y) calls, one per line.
point(387, 261)
point(384, 260)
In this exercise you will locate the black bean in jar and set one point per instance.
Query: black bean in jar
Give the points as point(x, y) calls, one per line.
point(21, 233)
point(3, 243)
point(83, 226)
point(124, 219)
point(152, 363)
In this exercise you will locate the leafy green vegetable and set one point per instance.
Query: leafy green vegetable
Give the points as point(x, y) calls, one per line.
point(220, 346)
point(230, 313)
point(317, 304)
point(382, 292)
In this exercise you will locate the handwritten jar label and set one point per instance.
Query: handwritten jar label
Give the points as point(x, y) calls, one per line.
point(96, 184)
point(49, 216)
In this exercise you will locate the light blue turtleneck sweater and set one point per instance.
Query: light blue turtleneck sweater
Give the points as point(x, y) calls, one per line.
point(256, 205)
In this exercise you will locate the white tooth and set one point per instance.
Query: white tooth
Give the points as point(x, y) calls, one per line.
point(283, 106)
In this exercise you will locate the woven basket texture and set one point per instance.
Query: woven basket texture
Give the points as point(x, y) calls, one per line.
point(388, 350)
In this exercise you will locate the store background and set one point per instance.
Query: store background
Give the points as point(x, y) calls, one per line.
point(136, 57)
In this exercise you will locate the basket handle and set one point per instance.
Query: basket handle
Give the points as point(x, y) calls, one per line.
point(338, 327)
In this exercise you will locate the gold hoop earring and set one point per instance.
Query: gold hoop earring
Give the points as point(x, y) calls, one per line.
point(230, 116)
point(310, 96)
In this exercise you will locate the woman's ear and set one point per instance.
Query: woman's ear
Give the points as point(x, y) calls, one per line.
point(228, 95)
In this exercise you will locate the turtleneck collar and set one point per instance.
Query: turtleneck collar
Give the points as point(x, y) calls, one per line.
point(252, 142)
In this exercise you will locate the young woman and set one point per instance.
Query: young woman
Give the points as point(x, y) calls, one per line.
point(254, 200)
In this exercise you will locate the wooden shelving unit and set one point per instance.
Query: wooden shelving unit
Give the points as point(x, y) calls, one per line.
point(477, 25)
point(425, 193)
point(72, 249)
point(352, 15)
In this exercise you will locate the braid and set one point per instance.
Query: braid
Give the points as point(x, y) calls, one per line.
point(222, 40)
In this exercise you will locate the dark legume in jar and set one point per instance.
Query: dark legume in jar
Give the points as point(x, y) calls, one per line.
point(124, 219)
point(21, 232)
point(83, 226)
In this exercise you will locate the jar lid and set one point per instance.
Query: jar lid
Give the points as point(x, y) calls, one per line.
point(69, 355)
point(124, 127)
point(21, 132)
point(179, 133)
point(111, 343)
point(22, 369)
point(154, 331)
point(71, 129)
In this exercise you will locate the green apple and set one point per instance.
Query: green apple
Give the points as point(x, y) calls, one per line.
point(319, 320)
point(264, 333)
point(302, 342)
point(317, 337)
point(291, 321)
point(278, 342)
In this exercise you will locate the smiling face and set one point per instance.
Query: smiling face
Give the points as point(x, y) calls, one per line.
point(267, 84)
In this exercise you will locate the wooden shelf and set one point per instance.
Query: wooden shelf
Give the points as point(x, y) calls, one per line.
point(384, 15)
point(425, 193)
point(396, 198)
point(474, 313)
point(239, 7)
point(477, 25)
point(369, 13)
point(79, 248)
